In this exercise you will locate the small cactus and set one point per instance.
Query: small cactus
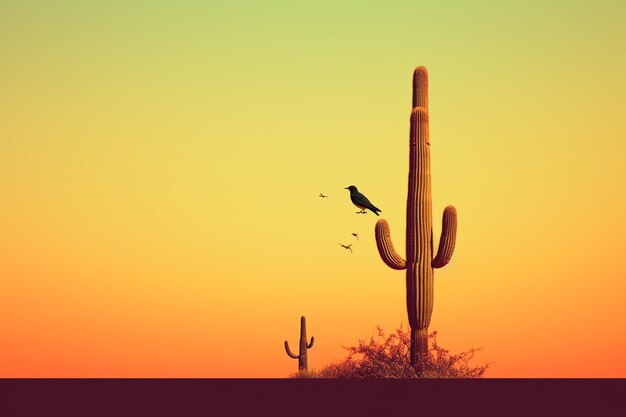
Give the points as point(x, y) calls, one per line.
point(419, 263)
point(303, 365)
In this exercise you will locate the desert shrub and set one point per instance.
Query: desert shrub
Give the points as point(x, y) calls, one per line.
point(388, 357)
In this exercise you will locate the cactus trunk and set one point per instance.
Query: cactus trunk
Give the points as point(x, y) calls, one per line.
point(419, 347)
point(419, 261)
point(303, 360)
point(419, 274)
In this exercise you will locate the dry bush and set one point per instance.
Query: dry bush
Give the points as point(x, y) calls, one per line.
point(388, 357)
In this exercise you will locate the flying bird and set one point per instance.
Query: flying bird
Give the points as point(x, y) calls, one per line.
point(361, 201)
point(323, 196)
point(347, 247)
point(356, 235)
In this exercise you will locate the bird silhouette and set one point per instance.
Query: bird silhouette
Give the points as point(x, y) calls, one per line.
point(323, 196)
point(347, 247)
point(361, 201)
point(356, 235)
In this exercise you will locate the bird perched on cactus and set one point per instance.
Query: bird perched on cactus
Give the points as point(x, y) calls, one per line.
point(361, 201)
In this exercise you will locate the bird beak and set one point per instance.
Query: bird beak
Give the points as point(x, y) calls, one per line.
point(346, 188)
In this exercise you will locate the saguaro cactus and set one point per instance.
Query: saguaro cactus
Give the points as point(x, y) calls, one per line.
point(419, 261)
point(302, 356)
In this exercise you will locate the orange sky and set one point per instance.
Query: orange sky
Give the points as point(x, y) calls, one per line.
point(160, 166)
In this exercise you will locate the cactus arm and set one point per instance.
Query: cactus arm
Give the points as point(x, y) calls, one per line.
point(448, 238)
point(385, 246)
point(289, 351)
point(310, 345)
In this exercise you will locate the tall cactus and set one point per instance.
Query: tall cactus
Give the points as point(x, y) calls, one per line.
point(419, 261)
point(302, 356)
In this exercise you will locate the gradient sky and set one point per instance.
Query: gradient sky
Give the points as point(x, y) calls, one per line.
point(160, 163)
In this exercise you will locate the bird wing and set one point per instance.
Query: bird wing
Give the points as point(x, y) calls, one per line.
point(361, 200)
